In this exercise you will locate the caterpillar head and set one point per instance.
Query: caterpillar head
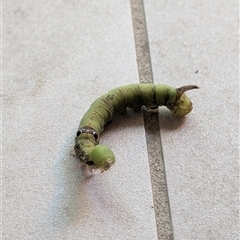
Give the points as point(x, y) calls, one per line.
point(181, 104)
point(102, 157)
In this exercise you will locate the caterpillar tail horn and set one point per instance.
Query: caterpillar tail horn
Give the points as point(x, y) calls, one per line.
point(183, 89)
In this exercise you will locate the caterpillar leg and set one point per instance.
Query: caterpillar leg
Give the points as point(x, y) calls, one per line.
point(72, 153)
point(153, 110)
point(138, 108)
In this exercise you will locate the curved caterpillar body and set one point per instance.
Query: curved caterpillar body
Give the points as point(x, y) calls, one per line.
point(116, 101)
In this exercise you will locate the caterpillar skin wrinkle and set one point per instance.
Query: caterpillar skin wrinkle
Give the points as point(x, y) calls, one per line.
point(99, 156)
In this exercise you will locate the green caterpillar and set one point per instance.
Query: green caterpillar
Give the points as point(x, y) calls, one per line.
point(116, 101)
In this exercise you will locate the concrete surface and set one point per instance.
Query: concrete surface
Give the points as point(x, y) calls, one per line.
point(58, 56)
point(197, 43)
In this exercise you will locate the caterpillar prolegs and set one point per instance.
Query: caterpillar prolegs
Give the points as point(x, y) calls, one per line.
point(99, 156)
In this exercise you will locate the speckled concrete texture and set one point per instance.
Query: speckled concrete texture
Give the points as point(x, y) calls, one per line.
point(196, 42)
point(58, 56)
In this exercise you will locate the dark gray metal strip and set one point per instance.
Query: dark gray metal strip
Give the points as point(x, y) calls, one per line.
point(151, 123)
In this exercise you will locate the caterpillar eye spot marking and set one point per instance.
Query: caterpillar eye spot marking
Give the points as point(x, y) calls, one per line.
point(101, 112)
point(95, 135)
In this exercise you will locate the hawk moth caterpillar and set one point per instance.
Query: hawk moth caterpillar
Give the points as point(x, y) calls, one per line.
point(99, 156)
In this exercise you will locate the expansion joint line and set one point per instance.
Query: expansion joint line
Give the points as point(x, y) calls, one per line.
point(151, 124)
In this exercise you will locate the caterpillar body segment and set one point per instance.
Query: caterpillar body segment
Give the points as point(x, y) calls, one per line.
point(99, 156)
